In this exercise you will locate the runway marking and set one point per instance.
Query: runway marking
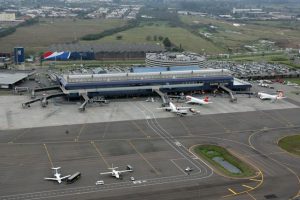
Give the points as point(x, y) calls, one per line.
point(19, 135)
point(232, 191)
point(251, 196)
point(172, 160)
point(253, 179)
point(130, 143)
point(270, 116)
point(185, 127)
point(100, 154)
point(105, 129)
point(289, 123)
point(80, 131)
point(250, 137)
point(219, 123)
point(140, 129)
point(247, 186)
point(48, 154)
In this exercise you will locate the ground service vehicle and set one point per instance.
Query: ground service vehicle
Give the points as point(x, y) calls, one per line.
point(74, 177)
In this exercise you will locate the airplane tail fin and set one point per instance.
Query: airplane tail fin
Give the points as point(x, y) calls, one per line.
point(112, 167)
point(280, 94)
point(206, 99)
point(55, 168)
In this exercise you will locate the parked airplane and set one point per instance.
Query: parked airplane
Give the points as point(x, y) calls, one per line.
point(57, 176)
point(178, 110)
point(197, 100)
point(115, 173)
point(272, 97)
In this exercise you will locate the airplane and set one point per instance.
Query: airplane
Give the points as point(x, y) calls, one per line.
point(198, 101)
point(57, 176)
point(115, 173)
point(178, 110)
point(273, 98)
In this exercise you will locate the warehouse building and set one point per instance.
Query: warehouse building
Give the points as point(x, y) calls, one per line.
point(100, 52)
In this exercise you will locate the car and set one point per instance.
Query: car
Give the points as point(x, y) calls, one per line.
point(101, 182)
point(132, 178)
point(188, 169)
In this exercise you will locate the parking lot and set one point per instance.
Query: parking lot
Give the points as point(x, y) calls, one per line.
point(253, 68)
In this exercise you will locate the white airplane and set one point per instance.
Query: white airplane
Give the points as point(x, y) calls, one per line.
point(57, 176)
point(115, 173)
point(272, 97)
point(178, 110)
point(198, 101)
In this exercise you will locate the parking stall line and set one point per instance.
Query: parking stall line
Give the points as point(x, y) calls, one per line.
point(48, 154)
point(140, 129)
point(185, 127)
point(143, 157)
point(273, 118)
point(19, 135)
point(80, 132)
point(99, 153)
point(218, 123)
point(172, 160)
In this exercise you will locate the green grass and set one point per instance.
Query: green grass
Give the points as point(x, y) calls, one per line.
point(229, 36)
point(291, 144)
point(202, 150)
point(293, 80)
point(178, 36)
point(38, 37)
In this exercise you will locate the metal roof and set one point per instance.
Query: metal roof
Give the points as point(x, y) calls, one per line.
point(183, 68)
point(148, 69)
point(107, 47)
point(7, 78)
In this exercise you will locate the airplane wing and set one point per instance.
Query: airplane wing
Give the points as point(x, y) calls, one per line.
point(183, 108)
point(103, 173)
point(65, 177)
point(123, 171)
point(51, 179)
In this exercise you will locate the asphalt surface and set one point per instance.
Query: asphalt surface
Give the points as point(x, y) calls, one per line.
point(158, 149)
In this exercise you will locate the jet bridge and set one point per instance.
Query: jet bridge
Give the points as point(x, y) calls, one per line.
point(163, 96)
point(34, 91)
point(86, 101)
point(43, 100)
point(230, 92)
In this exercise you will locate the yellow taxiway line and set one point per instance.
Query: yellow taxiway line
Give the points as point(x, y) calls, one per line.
point(100, 154)
point(48, 154)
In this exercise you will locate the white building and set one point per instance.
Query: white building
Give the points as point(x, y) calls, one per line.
point(6, 17)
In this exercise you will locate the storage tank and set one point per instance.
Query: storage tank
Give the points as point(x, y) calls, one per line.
point(19, 55)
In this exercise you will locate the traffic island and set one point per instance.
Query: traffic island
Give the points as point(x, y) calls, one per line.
point(224, 162)
point(290, 144)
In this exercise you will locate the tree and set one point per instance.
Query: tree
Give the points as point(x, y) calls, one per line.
point(119, 37)
point(148, 38)
point(160, 38)
point(167, 42)
point(155, 37)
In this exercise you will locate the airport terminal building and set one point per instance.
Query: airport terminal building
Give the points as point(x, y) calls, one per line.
point(144, 83)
